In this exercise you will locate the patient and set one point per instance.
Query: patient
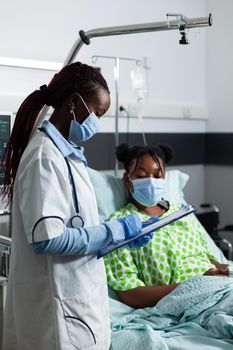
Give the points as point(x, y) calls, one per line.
point(179, 251)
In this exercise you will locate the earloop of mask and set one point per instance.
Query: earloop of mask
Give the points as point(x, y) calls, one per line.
point(74, 116)
point(84, 103)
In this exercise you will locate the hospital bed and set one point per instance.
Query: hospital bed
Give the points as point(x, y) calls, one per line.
point(111, 195)
point(132, 329)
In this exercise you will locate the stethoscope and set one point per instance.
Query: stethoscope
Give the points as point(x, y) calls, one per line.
point(76, 220)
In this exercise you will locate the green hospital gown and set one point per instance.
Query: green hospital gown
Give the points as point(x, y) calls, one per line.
point(176, 252)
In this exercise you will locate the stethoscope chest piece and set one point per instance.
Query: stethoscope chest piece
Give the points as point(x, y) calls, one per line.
point(77, 221)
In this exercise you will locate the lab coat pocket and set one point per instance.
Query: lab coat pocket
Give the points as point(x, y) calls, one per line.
point(79, 329)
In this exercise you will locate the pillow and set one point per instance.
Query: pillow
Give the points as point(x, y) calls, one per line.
point(175, 183)
point(111, 193)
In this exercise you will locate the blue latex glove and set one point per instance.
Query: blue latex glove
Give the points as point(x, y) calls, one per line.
point(150, 221)
point(132, 226)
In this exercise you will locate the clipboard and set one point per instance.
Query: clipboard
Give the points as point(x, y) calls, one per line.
point(155, 225)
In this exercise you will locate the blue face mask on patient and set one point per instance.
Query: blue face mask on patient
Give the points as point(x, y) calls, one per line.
point(148, 191)
point(83, 132)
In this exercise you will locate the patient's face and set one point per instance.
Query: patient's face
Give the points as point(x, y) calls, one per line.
point(146, 166)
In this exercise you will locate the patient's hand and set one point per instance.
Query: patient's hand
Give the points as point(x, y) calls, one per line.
point(222, 269)
point(218, 271)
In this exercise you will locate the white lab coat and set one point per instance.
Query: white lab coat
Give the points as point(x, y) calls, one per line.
point(53, 302)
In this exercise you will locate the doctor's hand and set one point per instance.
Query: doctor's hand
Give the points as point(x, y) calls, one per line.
point(150, 221)
point(132, 227)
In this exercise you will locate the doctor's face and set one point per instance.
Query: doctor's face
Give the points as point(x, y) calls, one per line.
point(99, 104)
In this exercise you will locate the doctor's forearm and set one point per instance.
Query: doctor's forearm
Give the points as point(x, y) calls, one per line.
point(81, 241)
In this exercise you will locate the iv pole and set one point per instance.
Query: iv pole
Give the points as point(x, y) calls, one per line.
point(117, 78)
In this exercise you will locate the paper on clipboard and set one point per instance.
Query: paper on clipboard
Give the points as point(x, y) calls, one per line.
point(176, 215)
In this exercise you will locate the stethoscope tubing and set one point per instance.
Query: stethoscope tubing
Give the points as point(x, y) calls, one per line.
point(73, 185)
point(76, 217)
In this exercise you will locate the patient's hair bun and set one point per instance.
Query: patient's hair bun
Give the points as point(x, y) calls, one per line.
point(122, 152)
point(168, 152)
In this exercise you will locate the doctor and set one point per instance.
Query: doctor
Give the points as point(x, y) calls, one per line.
point(57, 293)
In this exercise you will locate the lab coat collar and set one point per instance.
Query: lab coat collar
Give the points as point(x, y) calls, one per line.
point(68, 149)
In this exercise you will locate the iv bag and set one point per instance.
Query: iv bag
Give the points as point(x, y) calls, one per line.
point(138, 79)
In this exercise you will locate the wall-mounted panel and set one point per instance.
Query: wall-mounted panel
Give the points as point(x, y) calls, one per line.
point(219, 148)
point(189, 148)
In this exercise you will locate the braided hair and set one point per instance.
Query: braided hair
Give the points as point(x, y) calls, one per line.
point(127, 155)
point(75, 77)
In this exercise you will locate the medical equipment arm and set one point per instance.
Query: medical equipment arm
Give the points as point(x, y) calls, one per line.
point(181, 23)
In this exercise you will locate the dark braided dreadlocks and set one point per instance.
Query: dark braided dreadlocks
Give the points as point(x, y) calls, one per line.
point(75, 77)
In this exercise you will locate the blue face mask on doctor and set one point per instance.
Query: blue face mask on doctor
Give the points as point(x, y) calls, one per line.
point(148, 191)
point(83, 132)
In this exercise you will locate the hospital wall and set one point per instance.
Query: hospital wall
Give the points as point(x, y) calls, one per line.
point(219, 77)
